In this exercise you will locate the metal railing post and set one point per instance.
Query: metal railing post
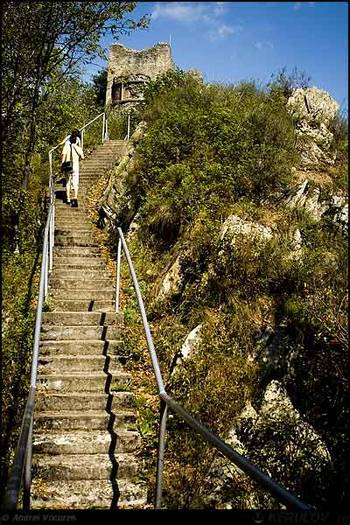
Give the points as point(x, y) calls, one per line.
point(46, 269)
point(128, 125)
point(103, 127)
point(161, 450)
point(52, 229)
point(117, 282)
point(50, 165)
point(27, 472)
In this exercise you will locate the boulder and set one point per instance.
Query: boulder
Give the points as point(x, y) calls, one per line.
point(313, 110)
point(307, 197)
point(301, 442)
point(312, 106)
point(234, 226)
point(171, 283)
point(188, 348)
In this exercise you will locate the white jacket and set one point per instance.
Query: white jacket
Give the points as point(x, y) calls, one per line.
point(77, 154)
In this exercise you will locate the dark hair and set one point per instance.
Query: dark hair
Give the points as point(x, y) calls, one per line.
point(73, 136)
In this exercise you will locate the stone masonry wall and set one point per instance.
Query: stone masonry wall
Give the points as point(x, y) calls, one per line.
point(125, 63)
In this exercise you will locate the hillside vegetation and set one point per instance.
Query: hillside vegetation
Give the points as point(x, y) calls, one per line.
point(211, 152)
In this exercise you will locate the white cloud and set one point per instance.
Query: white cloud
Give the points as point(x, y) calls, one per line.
point(298, 5)
point(223, 31)
point(189, 11)
point(179, 11)
point(263, 45)
point(220, 8)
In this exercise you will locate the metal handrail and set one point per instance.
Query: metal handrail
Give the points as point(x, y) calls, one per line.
point(22, 461)
point(251, 470)
point(22, 464)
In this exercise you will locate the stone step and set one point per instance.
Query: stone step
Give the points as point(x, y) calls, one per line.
point(87, 232)
point(113, 382)
point(79, 332)
point(70, 226)
point(83, 466)
point(87, 494)
point(71, 305)
point(76, 347)
point(78, 363)
point(61, 240)
point(73, 229)
point(76, 401)
point(83, 274)
point(97, 420)
point(77, 251)
point(83, 318)
point(65, 213)
point(80, 283)
point(76, 262)
point(87, 442)
point(100, 162)
point(63, 209)
point(105, 294)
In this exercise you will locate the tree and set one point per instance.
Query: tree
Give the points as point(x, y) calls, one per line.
point(41, 38)
point(99, 82)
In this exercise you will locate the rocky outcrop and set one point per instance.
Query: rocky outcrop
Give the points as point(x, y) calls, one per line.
point(277, 435)
point(308, 197)
point(300, 441)
point(188, 348)
point(313, 110)
point(234, 226)
point(114, 198)
point(172, 281)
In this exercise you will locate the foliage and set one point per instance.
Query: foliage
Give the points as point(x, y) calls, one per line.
point(99, 83)
point(206, 147)
point(283, 83)
point(212, 151)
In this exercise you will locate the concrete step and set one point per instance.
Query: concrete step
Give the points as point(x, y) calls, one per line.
point(74, 229)
point(98, 420)
point(100, 163)
point(83, 318)
point(80, 283)
point(87, 494)
point(65, 210)
point(83, 273)
point(105, 294)
point(83, 466)
point(87, 442)
point(80, 332)
point(66, 263)
point(76, 347)
point(71, 305)
point(98, 381)
point(77, 251)
point(77, 363)
point(76, 401)
point(61, 240)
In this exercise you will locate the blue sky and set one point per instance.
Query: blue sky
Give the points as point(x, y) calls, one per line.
point(234, 41)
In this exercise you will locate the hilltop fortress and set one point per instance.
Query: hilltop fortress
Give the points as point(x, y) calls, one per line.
point(129, 70)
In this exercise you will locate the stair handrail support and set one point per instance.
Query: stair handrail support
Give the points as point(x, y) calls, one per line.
point(249, 468)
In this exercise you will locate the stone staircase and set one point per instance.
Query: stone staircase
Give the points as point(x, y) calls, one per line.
point(85, 437)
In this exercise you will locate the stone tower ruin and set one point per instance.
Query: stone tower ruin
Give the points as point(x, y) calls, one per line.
point(129, 70)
